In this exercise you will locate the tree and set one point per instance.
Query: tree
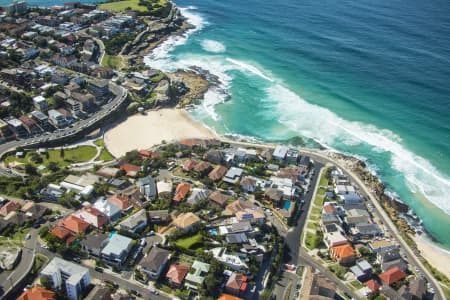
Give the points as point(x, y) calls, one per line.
point(52, 166)
point(46, 282)
point(61, 152)
point(30, 169)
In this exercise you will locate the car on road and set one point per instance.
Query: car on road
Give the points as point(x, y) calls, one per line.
point(28, 236)
point(155, 292)
point(98, 269)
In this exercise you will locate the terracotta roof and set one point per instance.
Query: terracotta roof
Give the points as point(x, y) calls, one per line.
point(74, 224)
point(148, 154)
point(60, 232)
point(192, 142)
point(102, 219)
point(238, 205)
point(185, 220)
point(177, 273)
point(247, 180)
point(237, 282)
point(189, 165)
point(228, 297)
point(219, 198)
point(37, 293)
point(373, 285)
point(218, 172)
point(392, 275)
point(130, 169)
point(181, 191)
point(121, 201)
point(202, 166)
point(329, 209)
point(343, 251)
point(9, 207)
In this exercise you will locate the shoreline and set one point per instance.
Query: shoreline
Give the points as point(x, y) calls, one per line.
point(433, 253)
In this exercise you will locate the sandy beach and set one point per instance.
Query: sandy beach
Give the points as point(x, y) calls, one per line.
point(436, 256)
point(145, 131)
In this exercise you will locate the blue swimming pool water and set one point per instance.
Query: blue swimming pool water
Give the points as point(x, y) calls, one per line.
point(287, 205)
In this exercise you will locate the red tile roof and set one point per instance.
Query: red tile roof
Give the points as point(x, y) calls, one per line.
point(148, 154)
point(189, 164)
point(74, 224)
point(37, 293)
point(228, 297)
point(60, 232)
point(130, 169)
point(329, 209)
point(392, 275)
point(237, 282)
point(177, 273)
point(121, 201)
point(181, 191)
point(9, 207)
point(372, 285)
point(344, 251)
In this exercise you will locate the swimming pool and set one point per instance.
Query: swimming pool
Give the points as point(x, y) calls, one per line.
point(287, 205)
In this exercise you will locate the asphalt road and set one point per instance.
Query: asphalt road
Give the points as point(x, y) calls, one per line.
point(24, 266)
point(293, 237)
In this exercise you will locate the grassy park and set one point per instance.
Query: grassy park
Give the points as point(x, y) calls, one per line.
point(191, 243)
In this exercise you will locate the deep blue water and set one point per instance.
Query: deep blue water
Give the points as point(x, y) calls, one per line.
point(368, 78)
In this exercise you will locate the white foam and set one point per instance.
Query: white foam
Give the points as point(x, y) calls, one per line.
point(326, 127)
point(246, 67)
point(213, 46)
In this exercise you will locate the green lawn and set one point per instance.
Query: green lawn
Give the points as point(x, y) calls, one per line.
point(191, 243)
point(105, 155)
point(312, 225)
point(100, 142)
point(323, 179)
point(339, 270)
point(316, 211)
point(114, 62)
point(72, 155)
point(16, 240)
point(356, 284)
point(121, 6)
point(318, 200)
point(311, 240)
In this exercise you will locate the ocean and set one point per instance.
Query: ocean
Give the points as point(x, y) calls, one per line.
point(370, 79)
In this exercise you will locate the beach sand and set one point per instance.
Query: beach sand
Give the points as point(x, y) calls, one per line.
point(145, 131)
point(436, 256)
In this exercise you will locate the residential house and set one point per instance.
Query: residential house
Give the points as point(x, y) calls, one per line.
point(336, 238)
point(196, 278)
point(9, 207)
point(317, 286)
point(362, 270)
point(355, 216)
point(372, 285)
point(214, 156)
point(181, 192)
point(292, 156)
point(186, 221)
point(93, 216)
point(248, 184)
point(176, 274)
point(274, 195)
point(219, 199)
point(202, 168)
point(37, 293)
point(99, 87)
point(224, 296)
point(135, 222)
point(164, 187)
point(197, 195)
point(30, 125)
point(391, 276)
point(365, 231)
point(154, 262)
point(415, 290)
point(158, 216)
point(233, 175)
point(94, 243)
point(236, 284)
point(117, 250)
point(99, 293)
point(83, 185)
point(378, 246)
point(218, 173)
point(254, 215)
point(343, 254)
point(280, 152)
point(63, 234)
point(238, 205)
point(108, 171)
point(123, 202)
point(74, 224)
point(41, 119)
point(66, 275)
point(40, 103)
point(108, 208)
point(189, 164)
point(130, 170)
point(147, 187)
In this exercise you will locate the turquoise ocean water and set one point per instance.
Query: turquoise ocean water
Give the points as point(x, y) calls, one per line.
point(367, 78)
